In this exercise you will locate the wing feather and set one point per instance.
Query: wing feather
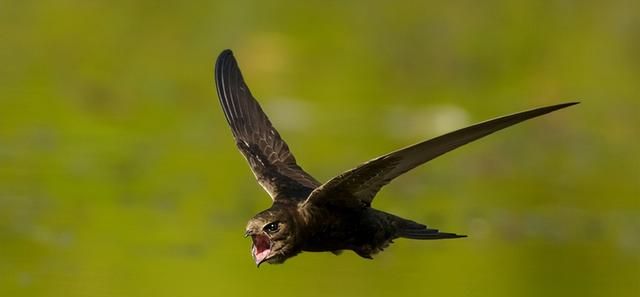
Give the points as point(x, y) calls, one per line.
point(357, 187)
point(268, 155)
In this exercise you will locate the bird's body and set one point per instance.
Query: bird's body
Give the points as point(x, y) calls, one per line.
point(307, 215)
point(366, 231)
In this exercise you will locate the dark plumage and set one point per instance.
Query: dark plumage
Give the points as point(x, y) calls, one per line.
point(337, 215)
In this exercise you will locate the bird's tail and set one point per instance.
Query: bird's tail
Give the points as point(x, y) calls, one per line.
point(413, 230)
point(426, 234)
point(405, 228)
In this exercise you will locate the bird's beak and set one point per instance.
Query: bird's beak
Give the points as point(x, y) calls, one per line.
point(257, 259)
point(260, 248)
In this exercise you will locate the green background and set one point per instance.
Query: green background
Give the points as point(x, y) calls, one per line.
point(119, 176)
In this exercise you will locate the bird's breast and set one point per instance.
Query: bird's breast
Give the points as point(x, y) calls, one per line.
point(338, 229)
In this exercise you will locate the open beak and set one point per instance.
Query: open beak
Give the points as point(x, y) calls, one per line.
point(261, 248)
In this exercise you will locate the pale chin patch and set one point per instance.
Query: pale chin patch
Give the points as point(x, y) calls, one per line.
point(261, 248)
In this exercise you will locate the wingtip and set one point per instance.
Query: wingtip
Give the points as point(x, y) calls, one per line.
point(567, 104)
point(555, 107)
point(223, 56)
point(226, 52)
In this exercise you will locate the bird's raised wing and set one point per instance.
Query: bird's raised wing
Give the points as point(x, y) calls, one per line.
point(268, 155)
point(357, 187)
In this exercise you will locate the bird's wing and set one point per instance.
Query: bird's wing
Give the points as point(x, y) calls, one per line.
point(268, 155)
point(358, 186)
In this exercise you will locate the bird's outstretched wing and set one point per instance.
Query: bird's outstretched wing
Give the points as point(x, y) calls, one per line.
point(268, 155)
point(357, 187)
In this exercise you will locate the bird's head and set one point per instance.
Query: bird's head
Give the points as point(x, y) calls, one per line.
point(273, 235)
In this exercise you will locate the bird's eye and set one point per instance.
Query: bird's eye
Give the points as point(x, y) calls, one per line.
point(272, 227)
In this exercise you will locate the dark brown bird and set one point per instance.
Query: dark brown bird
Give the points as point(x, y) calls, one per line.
point(307, 215)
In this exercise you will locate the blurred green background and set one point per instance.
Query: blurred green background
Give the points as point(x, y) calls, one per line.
point(119, 176)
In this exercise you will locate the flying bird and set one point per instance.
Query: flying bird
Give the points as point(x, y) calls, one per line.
point(307, 215)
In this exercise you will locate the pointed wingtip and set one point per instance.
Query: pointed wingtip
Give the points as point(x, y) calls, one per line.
point(567, 104)
point(555, 107)
point(226, 52)
point(561, 105)
point(532, 113)
point(223, 56)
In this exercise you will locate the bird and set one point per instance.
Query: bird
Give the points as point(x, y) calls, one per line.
point(309, 216)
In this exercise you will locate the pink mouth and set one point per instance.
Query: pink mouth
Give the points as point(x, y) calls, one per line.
point(261, 248)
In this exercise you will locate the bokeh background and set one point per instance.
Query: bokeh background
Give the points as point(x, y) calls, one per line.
point(119, 177)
